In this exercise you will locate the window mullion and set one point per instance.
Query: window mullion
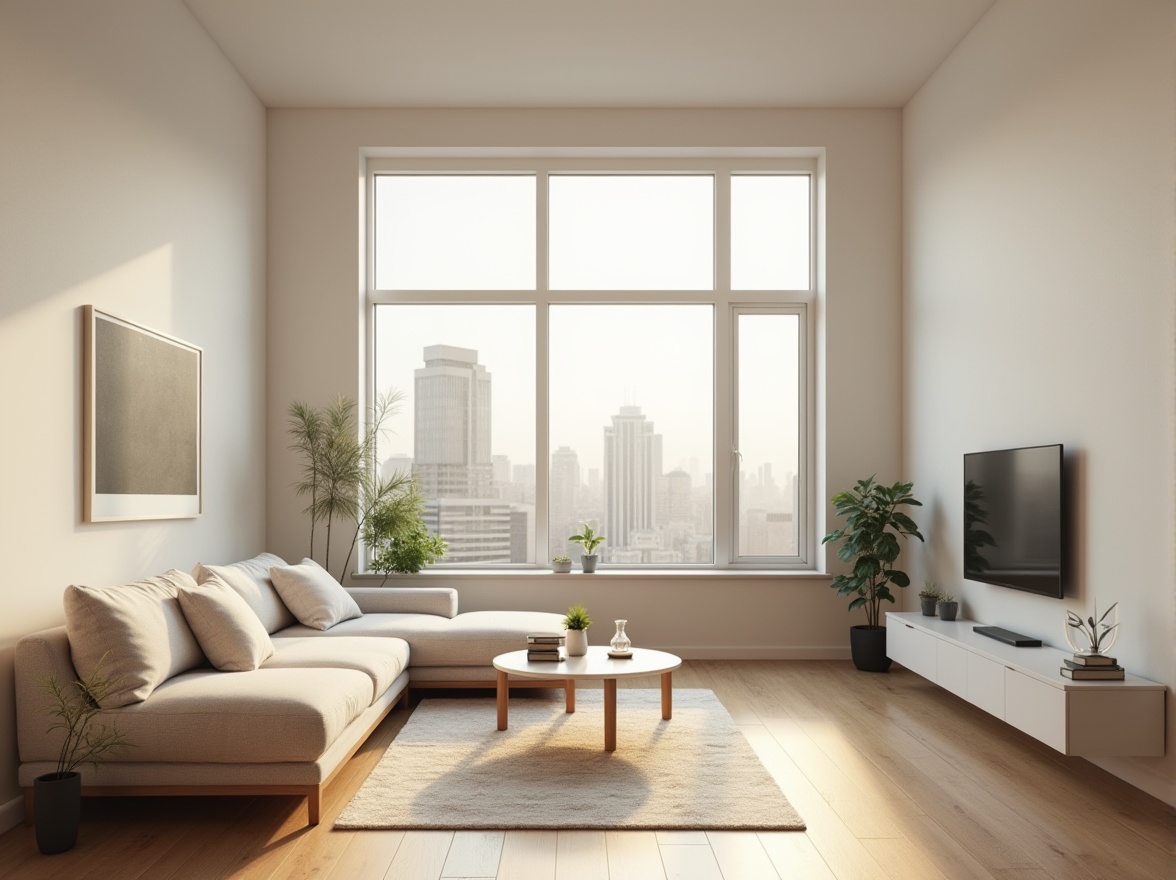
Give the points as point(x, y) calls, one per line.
point(724, 470)
point(542, 368)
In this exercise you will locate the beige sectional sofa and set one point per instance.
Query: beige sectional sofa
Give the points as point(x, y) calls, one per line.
point(284, 727)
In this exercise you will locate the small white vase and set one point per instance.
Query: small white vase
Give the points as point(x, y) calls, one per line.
point(577, 642)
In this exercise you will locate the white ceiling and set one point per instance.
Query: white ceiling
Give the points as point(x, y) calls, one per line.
point(587, 53)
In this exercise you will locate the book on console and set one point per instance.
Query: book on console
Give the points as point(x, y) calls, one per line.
point(546, 638)
point(545, 649)
point(1087, 660)
point(1105, 673)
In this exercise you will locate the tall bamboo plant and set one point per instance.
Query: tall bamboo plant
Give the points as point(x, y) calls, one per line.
point(340, 473)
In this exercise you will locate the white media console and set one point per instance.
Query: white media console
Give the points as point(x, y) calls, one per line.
point(1023, 687)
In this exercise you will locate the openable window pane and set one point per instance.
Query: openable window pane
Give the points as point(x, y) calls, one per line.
point(631, 232)
point(466, 428)
point(632, 427)
point(455, 232)
point(770, 232)
point(768, 434)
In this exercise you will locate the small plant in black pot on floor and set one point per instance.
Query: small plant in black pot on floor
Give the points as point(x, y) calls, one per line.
point(57, 796)
point(873, 525)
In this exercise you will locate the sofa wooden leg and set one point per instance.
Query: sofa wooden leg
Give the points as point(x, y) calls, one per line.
point(29, 813)
point(314, 805)
point(402, 703)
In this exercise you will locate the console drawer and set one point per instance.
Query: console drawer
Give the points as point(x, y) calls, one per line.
point(1036, 708)
point(913, 649)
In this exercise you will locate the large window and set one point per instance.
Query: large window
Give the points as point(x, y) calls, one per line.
point(623, 344)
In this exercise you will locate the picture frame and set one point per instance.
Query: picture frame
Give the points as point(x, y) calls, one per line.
point(142, 420)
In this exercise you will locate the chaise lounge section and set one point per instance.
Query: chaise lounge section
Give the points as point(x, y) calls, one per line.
point(283, 727)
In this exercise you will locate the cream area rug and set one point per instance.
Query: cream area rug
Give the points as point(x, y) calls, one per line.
point(451, 768)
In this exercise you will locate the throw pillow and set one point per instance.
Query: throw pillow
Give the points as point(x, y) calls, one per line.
point(135, 634)
point(316, 598)
point(232, 637)
point(250, 579)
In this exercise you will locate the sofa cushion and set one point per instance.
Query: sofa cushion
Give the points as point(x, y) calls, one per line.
point(229, 633)
point(264, 716)
point(406, 600)
point(136, 634)
point(251, 581)
point(315, 597)
point(473, 638)
point(381, 660)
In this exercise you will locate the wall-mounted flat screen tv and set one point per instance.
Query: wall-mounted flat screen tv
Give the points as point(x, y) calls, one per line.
point(1014, 519)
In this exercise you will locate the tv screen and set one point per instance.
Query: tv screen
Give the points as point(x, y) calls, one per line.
point(1014, 519)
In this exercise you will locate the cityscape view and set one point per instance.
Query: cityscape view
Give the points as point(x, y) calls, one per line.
point(483, 504)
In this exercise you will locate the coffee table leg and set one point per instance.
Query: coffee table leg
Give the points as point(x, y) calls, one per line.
point(610, 714)
point(667, 695)
point(570, 694)
point(503, 693)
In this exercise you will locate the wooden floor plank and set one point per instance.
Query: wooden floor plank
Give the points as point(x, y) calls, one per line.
point(634, 855)
point(474, 854)
point(793, 855)
point(741, 854)
point(368, 856)
point(581, 855)
point(529, 855)
point(420, 856)
point(687, 861)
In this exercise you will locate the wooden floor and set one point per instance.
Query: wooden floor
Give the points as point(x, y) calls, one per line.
point(895, 777)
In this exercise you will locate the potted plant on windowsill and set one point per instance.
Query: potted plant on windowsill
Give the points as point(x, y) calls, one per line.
point(561, 564)
point(588, 540)
point(57, 796)
point(576, 623)
point(873, 525)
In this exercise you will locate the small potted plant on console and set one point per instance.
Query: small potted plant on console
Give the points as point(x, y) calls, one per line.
point(873, 527)
point(929, 597)
point(948, 607)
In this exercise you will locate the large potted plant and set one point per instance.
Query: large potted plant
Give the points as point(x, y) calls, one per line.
point(57, 796)
point(396, 538)
point(339, 473)
point(873, 525)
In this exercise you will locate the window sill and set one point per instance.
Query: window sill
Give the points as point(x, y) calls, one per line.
point(475, 574)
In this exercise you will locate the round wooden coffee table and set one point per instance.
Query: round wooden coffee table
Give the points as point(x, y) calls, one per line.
point(595, 664)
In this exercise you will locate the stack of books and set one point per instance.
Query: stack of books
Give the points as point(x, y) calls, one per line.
point(544, 647)
point(1093, 667)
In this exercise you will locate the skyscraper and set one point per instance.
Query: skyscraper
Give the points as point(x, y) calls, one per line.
point(563, 492)
point(632, 466)
point(453, 463)
point(452, 424)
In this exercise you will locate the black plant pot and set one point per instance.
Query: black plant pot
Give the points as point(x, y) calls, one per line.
point(927, 606)
point(57, 810)
point(867, 645)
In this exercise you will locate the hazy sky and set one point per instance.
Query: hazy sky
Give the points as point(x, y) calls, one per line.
point(606, 232)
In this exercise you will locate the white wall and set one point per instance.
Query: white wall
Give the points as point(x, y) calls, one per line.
point(132, 177)
point(315, 345)
point(1039, 305)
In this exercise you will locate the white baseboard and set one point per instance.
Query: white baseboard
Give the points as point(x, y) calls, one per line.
point(758, 652)
point(11, 813)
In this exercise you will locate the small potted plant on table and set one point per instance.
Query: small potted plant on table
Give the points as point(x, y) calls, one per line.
point(589, 540)
point(576, 622)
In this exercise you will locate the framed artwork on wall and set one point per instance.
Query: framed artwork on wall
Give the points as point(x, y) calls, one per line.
point(141, 422)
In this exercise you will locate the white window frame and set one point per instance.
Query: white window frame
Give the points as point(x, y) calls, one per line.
point(727, 305)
